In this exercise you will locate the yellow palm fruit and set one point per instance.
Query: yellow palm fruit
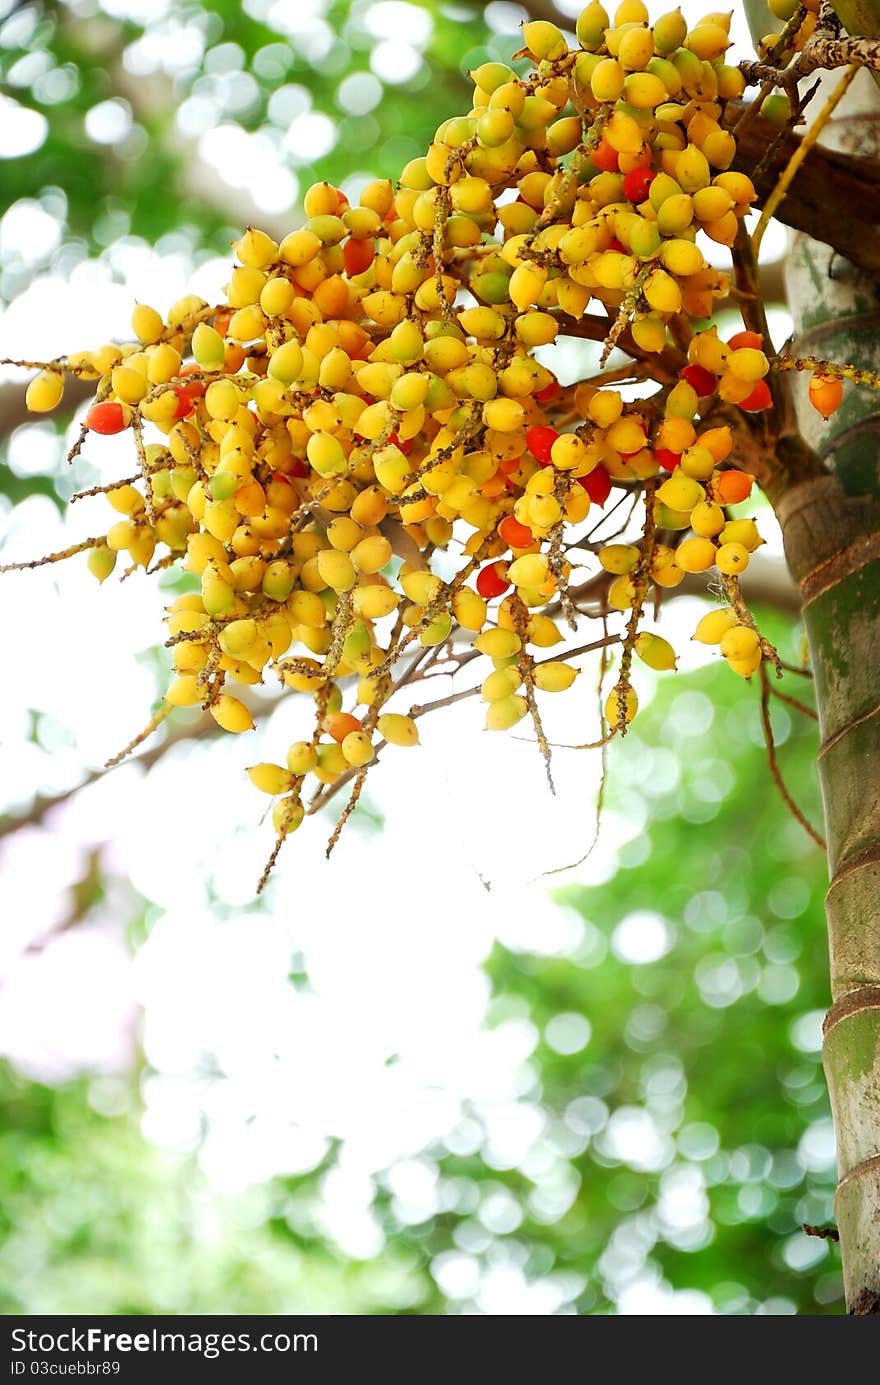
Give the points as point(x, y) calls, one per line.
point(269, 778)
point(503, 415)
point(469, 609)
point(740, 187)
point(276, 296)
point(569, 452)
point(555, 676)
point(185, 691)
point(44, 391)
point(544, 40)
point(654, 651)
point(256, 250)
point(420, 586)
point(744, 531)
point(536, 328)
point(543, 632)
point(409, 391)
point(525, 284)
point(391, 468)
point(398, 729)
point(374, 601)
point(695, 555)
point(301, 758)
point(681, 492)
point(708, 41)
point(336, 570)
point(619, 558)
point(715, 624)
point(247, 324)
point(286, 362)
point(607, 80)
point(530, 570)
point(358, 749)
point(622, 594)
point(747, 666)
point(707, 519)
point(732, 558)
point(627, 435)
point(698, 462)
point(370, 554)
point(682, 401)
point(498, 643)
point(605, 407)
point(163, 364)
point(748, 364)
point(287, 815)
point(740, 642)
point(626, 702)
point(500, 683)
point(483, 323)
point(231, 715)
point(675, 214)
point(128, 385)
point(239, 638)
point(208, 347)
point(222, 399)
point(662, 292)
point(326, 454)
point(681, 257)
point(505, 712)
point(146, 323)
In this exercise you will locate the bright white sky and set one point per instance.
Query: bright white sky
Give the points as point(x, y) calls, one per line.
point(392, 933)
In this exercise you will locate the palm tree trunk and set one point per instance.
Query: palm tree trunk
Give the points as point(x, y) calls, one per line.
point(831, 527)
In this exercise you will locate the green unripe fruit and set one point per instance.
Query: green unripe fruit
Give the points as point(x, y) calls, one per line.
point(101, 561)
point(619, 558)
point(783, 9)
point(644, 239)
point(654, 651)
point(287, 815)
point(776, 108)
point(489, 76)
point(670, 32)
point(591, 25)
point(675, 214)
point(208, 347)
point(326, 454)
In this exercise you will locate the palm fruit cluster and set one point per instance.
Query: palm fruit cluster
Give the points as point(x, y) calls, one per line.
point(360, 451)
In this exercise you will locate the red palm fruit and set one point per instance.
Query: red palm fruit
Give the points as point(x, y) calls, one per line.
point(539, 441)
point(358, 255)
point(701, 379)
point(492, 581)
point(108, 417)
point(760, 398)
point(597, 484)
point(668, 460)
point(636, 184)
point(514, 534)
